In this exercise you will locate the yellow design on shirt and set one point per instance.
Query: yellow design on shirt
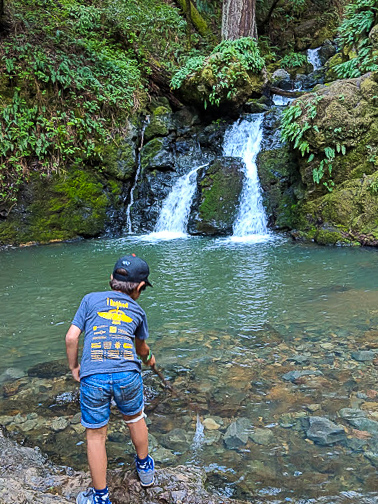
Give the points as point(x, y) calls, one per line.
point(116, 316)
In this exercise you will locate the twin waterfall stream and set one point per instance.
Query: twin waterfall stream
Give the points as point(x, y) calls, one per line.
point(242, 140)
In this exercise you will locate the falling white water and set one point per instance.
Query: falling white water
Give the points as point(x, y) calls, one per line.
point(174, 215)
point(281, 100)
point(244, 140)
point(313, 58)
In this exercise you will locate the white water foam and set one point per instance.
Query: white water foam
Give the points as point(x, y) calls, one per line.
point(243, 140)
point(199, 435)
point(314, 59)
point(281, 101)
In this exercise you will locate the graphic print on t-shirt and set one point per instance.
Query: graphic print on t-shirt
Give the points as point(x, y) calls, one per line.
point(110, 341)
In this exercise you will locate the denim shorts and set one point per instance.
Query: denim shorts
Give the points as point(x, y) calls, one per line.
point(97, 392)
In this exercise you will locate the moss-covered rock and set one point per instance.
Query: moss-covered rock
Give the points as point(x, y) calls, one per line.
point(218, 200)
point(159, 125)
point(157, 154)
point(343, 207)
point(61, 207)
point(278, 170)
point(119, 159)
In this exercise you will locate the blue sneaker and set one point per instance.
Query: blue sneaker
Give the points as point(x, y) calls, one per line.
point(86, 497)
point(146, 471)
point(89, 497)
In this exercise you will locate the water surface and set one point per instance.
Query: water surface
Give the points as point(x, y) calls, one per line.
point(226, 320)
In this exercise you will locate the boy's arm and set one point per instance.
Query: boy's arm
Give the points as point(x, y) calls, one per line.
point(143, 350)
point(72, 349)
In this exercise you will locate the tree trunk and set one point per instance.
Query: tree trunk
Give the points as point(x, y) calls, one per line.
point(1, 8)
point(195, 17)
point(238, 19)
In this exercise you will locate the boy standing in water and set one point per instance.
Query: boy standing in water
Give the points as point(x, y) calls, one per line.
point(115, 329)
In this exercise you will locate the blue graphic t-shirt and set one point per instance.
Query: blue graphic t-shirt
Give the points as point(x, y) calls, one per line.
point(111, 320)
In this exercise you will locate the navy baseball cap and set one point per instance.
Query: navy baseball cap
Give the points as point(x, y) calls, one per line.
point(137, 269)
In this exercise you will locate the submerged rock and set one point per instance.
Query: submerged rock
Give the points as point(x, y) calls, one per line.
point(49, 369)
point(237, 433)
point(323, 431)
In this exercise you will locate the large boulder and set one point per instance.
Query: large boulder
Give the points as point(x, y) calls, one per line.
point(218, 198)
point(342, 208)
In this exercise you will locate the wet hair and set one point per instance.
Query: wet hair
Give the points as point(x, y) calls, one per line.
point(126, 287)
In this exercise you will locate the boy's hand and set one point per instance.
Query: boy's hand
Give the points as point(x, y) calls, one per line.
point(76, 373)
point(152, 361)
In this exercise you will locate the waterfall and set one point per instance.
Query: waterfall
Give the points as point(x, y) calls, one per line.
point(281, 100)
point(243, 140)
point(174, 215)
point(313, 58)
point(128, 209)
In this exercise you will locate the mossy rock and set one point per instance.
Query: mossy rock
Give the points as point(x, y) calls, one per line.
point(345, 121)
point(61, 207)
point(346, 215)
point(157, 154)
point(158, 126)
point(373, 36)
point(119, 159)
point(197, 89)
point(278, 170)
point(331, 74)
point(219, 194)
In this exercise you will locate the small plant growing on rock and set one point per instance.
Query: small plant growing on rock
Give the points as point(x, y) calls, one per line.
point(297, 122)
point(229, 63)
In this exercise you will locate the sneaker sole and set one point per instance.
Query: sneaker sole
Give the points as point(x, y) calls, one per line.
point(149, 484)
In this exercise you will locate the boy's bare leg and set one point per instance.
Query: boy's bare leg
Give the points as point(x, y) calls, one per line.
point(97, 458)
point(139, 435)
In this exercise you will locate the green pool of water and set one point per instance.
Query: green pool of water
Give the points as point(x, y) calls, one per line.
point(227, 321)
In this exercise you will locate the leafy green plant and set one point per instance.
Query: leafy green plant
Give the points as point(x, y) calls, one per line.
point(296, 123)
point(71, 72)
point(293, 60)
point(360, 17)
point(229, 62)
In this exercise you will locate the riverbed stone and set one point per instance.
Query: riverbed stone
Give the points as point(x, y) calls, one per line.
point(178, 440)
point(364, 424)
point(262, 436)
point(237, 433)
point(363, 355)
point(51, 369)
point(352, 413)
point(294, 375)
point(11, 374)
point(210, 424)
point(323, 431)
point(59, 424)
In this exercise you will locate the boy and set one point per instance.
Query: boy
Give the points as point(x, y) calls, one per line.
point(115, 329)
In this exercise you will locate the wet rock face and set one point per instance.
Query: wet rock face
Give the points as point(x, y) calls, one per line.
point(218, 197)
point(278, 173)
